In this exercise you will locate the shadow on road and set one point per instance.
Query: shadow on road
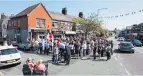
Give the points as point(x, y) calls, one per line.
point(99, 60)
point(33, 52)
point(9, 66)
point(121, 52)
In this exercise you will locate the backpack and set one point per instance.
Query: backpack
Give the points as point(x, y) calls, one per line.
point(26, 70)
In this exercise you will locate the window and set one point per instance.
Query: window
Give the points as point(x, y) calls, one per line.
point(9, 23)
point(37, 22)
point(18, 22)
point(43, 22)
point(54, 24)
point(14, 22)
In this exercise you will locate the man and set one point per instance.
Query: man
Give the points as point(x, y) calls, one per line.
point(95, 48)
point(67, 54)
point(111, 47)
point(46, 51)
point(40, 47)
point(108, 54)
point(84, 46)
point(36, 45)
point(77, 49)
point(62, 49)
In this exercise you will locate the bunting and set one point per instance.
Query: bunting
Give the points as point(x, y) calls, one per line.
point(122, 15)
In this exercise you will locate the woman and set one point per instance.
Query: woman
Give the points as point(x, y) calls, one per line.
point(56, 53)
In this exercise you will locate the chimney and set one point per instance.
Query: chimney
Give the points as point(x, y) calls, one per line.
point(3, 16)
point(80, 14)
point(64, 11)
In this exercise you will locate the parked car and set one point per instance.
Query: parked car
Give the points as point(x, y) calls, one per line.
point(9, 55)
point(137, 42)
point(121, 39)
point(126, 46)
point(24, 46)
point(14, 43)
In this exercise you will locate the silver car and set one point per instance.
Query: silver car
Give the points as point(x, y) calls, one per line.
point(24, 46)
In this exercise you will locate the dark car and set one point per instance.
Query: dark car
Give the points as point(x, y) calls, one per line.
point(126, 46)
point(137, 43)
point(14, 43)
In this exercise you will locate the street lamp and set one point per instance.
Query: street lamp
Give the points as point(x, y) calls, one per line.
point(100, 10)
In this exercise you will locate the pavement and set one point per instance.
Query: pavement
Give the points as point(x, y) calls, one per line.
point(119, 64)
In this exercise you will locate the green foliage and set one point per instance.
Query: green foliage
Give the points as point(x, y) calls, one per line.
point(88, 24)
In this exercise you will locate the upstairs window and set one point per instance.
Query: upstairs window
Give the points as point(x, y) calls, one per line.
point(18, 22)
point(43, 23)
point(37, 22)
point(9, 22)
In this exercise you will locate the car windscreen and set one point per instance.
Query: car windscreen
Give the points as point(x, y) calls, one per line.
point(127, 44)
point(137, 41)
point(25, 42)
point(8, 51)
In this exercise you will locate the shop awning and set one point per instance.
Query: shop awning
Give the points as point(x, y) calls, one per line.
point(70, 32)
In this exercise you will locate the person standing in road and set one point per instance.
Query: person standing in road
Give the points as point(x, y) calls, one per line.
point(40, 47)
point(84, 46)
point(56, 53)
point(67, 54)
point(108, 54)
point(77, 49)
point(95, 48)
point(111, 47)
point(71, 45)
point(46, 51)
point(88, 49)
point(36, 45)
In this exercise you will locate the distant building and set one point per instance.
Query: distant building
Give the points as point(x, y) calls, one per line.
point(62, 23)
point(3, 25)
point(33, 22)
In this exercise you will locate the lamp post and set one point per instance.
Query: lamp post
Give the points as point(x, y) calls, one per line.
point(98, 11)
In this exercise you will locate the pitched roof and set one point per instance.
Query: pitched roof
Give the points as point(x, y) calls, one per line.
point(26, 11)
point(61, 17)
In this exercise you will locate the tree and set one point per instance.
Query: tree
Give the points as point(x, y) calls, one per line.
point(89, 24)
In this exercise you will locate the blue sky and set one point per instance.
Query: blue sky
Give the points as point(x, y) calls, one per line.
point(115, 7)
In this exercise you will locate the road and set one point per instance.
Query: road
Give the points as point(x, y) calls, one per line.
point(120, 64)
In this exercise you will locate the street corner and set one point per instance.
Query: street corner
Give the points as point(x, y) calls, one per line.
point(1, 74)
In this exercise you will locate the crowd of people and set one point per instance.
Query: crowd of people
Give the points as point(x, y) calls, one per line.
point(78, 47)
point(68, 47)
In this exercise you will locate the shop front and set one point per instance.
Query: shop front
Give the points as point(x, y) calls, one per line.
point(38, 33)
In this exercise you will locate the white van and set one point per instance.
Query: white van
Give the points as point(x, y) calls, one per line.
point(9, 55)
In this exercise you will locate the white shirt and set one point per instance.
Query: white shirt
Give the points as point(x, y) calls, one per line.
point(84, 46)
point(56, 50)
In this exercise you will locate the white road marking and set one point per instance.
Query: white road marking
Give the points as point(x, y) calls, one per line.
point(127, 72)
point(116, 59)
point(121, 64)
